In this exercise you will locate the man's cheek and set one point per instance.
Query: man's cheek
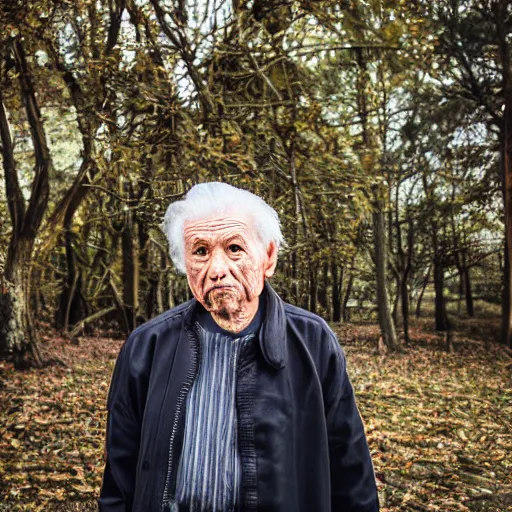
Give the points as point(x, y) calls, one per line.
point(251, 277)
point(193, 278)
point(193, 272)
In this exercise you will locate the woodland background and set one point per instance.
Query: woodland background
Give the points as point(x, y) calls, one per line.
point(380, 131)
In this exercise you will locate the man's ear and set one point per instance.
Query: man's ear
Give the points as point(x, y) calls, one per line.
point(270, 260)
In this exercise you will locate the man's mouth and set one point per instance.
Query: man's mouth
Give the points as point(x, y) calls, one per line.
point(216, 293)
point(219, 287)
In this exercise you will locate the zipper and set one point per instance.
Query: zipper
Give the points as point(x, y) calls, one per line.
point(168, 503)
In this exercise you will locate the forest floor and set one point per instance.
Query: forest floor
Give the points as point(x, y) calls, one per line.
point(439, 424)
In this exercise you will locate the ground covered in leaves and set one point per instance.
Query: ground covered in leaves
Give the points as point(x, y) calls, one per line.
point(439, 424)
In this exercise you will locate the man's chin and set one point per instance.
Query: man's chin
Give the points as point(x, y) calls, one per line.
point(223, 302)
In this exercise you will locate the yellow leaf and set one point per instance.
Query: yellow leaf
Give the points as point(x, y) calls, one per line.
point(83, 488)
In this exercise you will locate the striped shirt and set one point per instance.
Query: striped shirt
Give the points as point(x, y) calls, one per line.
point(209, 473)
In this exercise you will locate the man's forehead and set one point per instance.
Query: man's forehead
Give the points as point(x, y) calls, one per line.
point(222, 224)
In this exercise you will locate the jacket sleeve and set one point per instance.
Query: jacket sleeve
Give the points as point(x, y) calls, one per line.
point(353, 487)
point(122, 439)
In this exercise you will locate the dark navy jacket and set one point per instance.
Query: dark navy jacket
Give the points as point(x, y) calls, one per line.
point(301, 439)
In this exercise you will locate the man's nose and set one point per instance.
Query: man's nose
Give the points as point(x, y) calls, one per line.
point(218, 266)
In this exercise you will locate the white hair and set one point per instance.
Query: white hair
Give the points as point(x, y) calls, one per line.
point(209, 199)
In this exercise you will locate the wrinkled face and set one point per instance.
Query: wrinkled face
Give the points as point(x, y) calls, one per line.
point(226, 263)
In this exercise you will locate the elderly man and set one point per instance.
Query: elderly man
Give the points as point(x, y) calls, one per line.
point(233, 401)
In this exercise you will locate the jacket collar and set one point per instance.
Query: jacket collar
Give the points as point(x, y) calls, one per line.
point(272, 335)
point(273, 330)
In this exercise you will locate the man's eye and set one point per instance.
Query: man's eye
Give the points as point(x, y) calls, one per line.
point(200, 251)
point(235, 248)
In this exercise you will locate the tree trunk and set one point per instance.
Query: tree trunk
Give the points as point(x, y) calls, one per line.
point(17, 334)
point(461, 293)
point(407, 258)
point(295, 236)
point(506, 304)
point(336, 291)
point(313, 287)
point(396, 302)
point(322, 289)
point(405, 309)
point(507, 193)
point(152, 297)
point(440, 306)
point(146, 270)
point(162, 278)
point(130, 273)
point(345, 311)
point(467, 287)
point(72, 307)
point(170, 294)
point(423, 288)
point(387, 326)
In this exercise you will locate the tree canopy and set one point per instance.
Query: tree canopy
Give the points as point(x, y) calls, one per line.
point(378, 130)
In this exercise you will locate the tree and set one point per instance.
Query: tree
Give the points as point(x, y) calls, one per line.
point(476, 36)
point(17, 334)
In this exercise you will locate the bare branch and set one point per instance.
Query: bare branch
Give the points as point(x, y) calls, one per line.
point(15, 200)
point(38, 201)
